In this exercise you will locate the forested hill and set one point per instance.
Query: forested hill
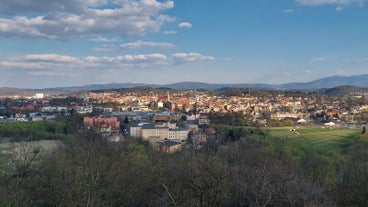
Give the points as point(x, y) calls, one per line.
point(345, 90)
point(328, 82)
point(5, 91)
point(246, 92)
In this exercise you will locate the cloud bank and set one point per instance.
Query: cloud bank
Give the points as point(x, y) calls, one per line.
point(64, 62)
point(138, 44)
point(62, 19)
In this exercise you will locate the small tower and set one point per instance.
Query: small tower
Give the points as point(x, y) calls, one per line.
point(168, 95)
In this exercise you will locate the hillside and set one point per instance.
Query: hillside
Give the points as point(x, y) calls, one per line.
point(345, 90)
point(324, 83)
point(5, 91)
point(330, 82)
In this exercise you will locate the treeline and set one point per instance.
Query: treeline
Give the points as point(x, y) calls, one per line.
point(233, 119)
point(353, 190)
point(239, 119)
point(256, 170)
point(33, 131)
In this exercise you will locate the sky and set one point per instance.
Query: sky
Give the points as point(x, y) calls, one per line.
point(62, 43)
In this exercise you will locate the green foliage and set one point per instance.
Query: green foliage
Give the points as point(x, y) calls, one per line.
point(280, 123)
point(243, 167)
point(321, 169)
point(352, 189)
point(26, 130)
point(231, 133)
point(233, 119)
point(32, 131)
point(324, 141)
point(90, 171)
point(64, 127)
point(20, 157)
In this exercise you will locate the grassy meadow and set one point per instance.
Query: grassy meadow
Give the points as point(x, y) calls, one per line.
point(7, 150)
point(322, 140)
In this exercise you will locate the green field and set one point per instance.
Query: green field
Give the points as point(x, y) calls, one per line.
point(320, 139)
point(7, 150)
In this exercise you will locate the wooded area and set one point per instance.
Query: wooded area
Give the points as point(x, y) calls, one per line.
point(251, 170)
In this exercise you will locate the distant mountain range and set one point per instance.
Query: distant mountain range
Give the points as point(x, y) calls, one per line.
point(324, 83)
point(5, 91)
point(329, 82)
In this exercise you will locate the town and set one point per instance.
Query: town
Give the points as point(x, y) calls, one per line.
point(172, 119)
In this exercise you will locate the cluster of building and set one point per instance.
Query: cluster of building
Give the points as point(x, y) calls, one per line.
point(160, 128)
point(169, 118)
point(258, 107)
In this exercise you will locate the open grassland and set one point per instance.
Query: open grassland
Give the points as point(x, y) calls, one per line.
point(319, 139)
point(47, 145)
point(7, 150)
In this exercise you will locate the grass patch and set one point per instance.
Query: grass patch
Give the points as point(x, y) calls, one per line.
point(321, 140)
point(7, 150)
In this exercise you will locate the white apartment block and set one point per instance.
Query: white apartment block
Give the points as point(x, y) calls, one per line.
point(181, 135)
point(155, 133)
point(136, 131)
point(152, 133)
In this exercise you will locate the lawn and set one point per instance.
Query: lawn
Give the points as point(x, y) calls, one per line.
point(319, 139)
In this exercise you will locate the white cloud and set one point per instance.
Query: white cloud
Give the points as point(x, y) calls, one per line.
point(288, 11)
point(42, 61)
point(11, 64)
point(103, 39)
point(61, 63)
point(138, 44)
point(127, 61)
point(104, 49)
point(339, 8)
point(47, 73)
point(50, 58)
point(132, 45)
point(61, 19)
point(185, 25)
point(45, 6)
point(323, 2)
point(169, 32)
point(190, 57)
point(322, 58)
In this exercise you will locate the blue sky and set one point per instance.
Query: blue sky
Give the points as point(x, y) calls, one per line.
point(47, 43)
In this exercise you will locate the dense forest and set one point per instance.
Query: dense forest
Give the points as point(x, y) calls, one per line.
point(236, 168)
